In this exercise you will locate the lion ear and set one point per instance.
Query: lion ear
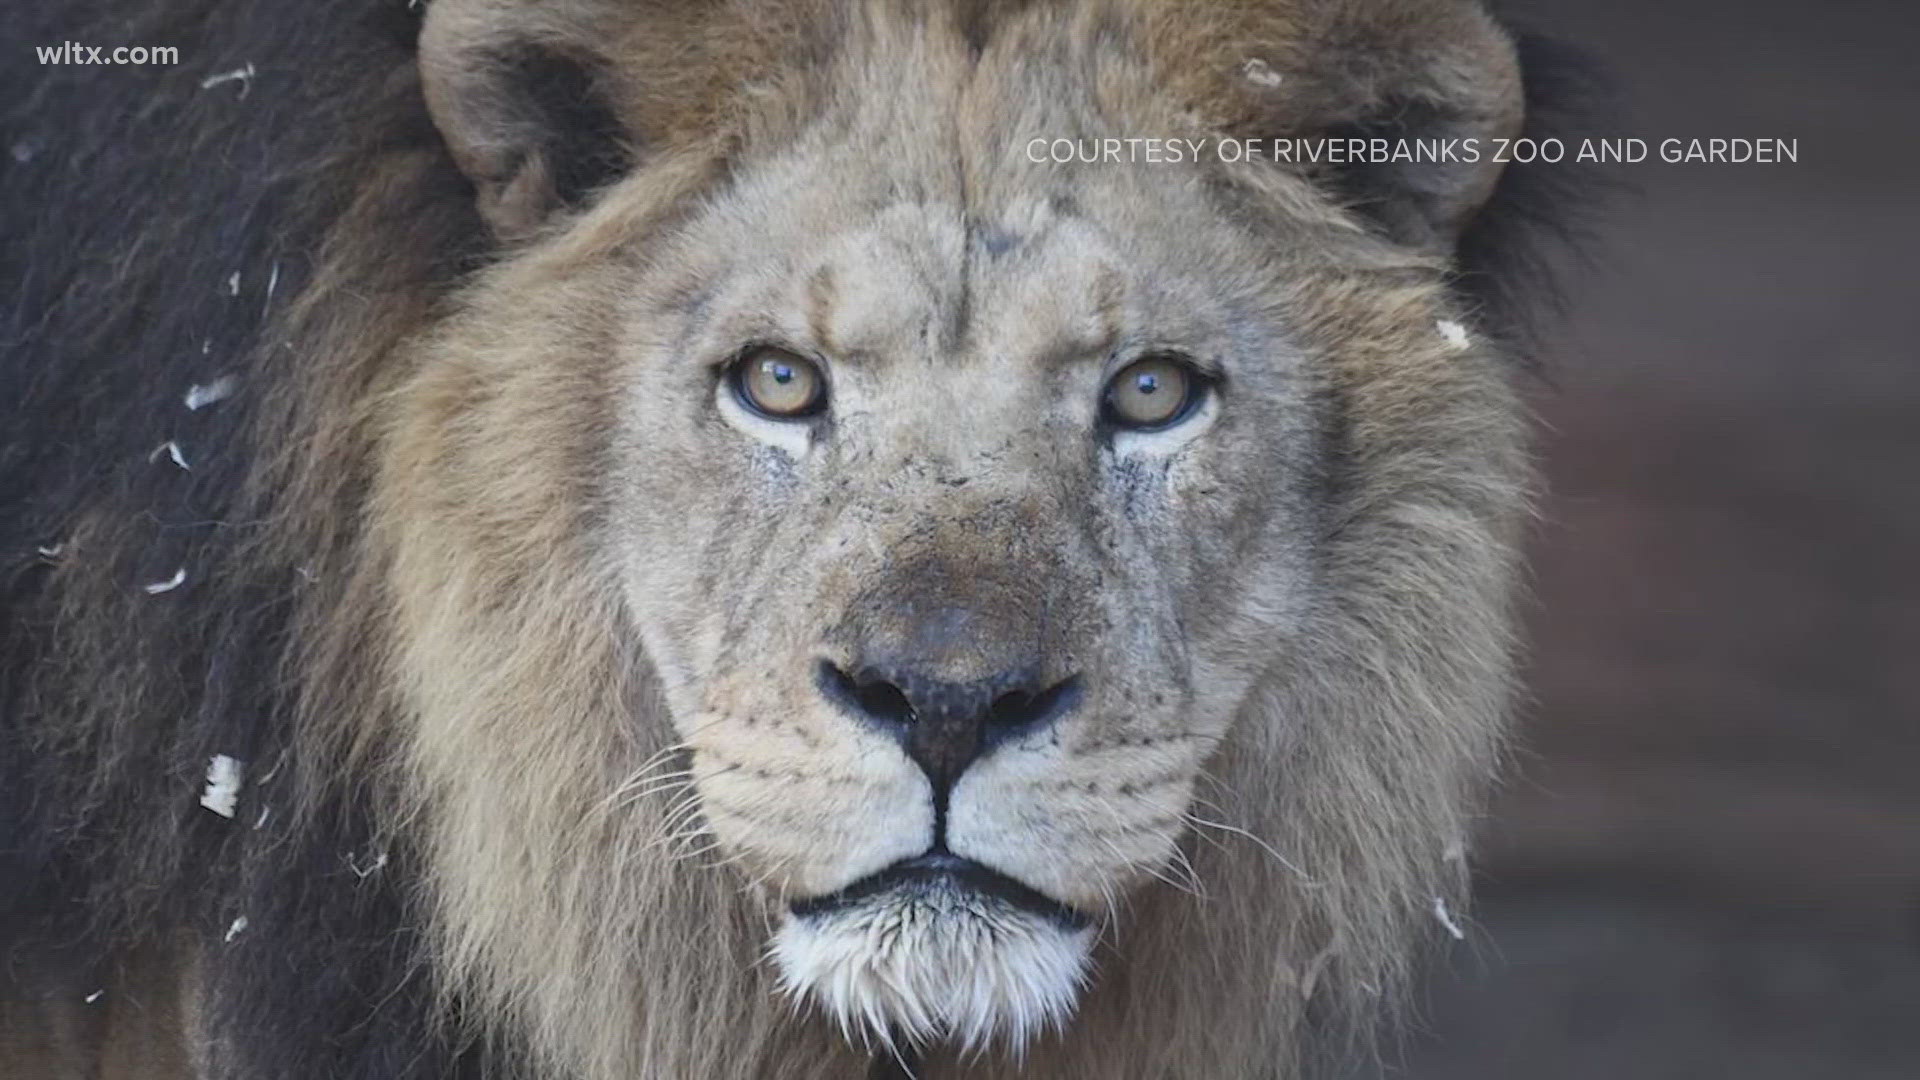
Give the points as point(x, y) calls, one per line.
point(521, 93)
point(1425, 75)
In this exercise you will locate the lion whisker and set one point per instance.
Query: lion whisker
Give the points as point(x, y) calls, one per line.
point(1180, 860)
point(630, 792)
point(1158, 873)
point(1191, 884)
point(682, 811)
point(704, 849)
point(1235, 830)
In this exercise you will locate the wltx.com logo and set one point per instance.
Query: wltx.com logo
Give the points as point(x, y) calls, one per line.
point(72, 52)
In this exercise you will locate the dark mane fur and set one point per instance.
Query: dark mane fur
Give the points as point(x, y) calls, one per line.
point(129, 197)
point(1512, 259)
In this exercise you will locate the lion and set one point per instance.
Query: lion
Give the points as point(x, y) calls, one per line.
point(695, 545)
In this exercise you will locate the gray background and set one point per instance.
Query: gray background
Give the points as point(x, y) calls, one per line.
point(1707, 863)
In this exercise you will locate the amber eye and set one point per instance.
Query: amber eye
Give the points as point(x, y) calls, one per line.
point(777, 383)
point(1156, 392)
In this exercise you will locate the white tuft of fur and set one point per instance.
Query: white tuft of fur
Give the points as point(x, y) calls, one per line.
point(922, 966)
point(1260, 73)
point(171, 449)
point(242, 75)
point(199, 397)
point(223, 783)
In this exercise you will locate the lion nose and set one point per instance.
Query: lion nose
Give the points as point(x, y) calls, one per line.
point(946, 726)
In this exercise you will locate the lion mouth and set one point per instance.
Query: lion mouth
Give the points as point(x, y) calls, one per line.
point(937, 948)
point(943, 871)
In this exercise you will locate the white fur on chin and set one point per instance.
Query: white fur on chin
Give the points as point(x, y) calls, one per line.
point(934, 965)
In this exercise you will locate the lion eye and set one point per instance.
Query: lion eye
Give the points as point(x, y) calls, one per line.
point(1156, 392)
point(777, 383)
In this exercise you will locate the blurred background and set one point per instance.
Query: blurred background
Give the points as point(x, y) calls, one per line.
point(1707, 860)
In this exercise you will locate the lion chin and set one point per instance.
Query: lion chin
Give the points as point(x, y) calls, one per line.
point(936, 949)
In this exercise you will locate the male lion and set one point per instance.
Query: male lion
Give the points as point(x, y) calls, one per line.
point(684, 540)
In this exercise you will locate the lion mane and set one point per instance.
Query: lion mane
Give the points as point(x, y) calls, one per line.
point(255, 520)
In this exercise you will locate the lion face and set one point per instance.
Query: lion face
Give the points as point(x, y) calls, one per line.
point(931, 536)
point(950, 608)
